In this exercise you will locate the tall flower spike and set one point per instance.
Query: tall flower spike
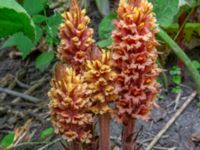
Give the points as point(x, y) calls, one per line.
point(100, 78)
point(75, 35)
point(135, 56)
point(69, 105)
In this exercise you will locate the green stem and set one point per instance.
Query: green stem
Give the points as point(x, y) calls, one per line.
point(182, 56)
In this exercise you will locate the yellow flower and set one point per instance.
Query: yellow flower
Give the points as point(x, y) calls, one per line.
point(100, 79)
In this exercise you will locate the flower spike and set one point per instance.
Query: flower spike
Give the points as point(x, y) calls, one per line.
point(75, 35)
point(69, 105)
point(135, 56)
point(100, 78)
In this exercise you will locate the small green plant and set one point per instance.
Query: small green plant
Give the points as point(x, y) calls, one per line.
point(175, 72)
point(46, 132)
point(44, 29)
point(7, 140)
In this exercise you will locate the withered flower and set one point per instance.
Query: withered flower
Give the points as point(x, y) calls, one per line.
point(135, 55)
point(76, 39)
point(100, 79)
point(69, 105)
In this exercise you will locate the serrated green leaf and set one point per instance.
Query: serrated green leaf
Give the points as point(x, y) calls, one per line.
point(52, 28)
point(44, 60)
point(34, 6)
point(105, 43)
point(106, 26)
point(38, 34)
point(23, 44)
point(103, 7)
point(7, 140)
point(165, 10)
point(14, 18)
point(47, 132)
point(37, 19)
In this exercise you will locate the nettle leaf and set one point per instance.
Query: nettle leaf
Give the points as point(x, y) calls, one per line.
point(34, 6)
point(47, 132)
point(38, 19)
point(165, 10)
point(7, 140)
point(52, 28)
point(103, 7)
point(22, 42)
point(38, 34)
point(14, 18)
point(176, 89)
point(106, 26)
point(44, 60)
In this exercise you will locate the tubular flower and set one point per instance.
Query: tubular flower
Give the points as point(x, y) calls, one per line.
point(69, 104)
point(100, 77)
point(75, 35)
point(135, 55)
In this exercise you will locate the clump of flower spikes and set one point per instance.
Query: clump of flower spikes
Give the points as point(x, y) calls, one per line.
point(75, 35)
point(135, 56)
point(100, 78)
point(69, 105)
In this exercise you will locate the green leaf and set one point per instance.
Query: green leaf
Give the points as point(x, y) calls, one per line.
point(176, 89)
point(34, 6)
point(23, 44)
point(44, 60)
point(47, 132)
point(196, 64)
point(38, 34)
point(52, 28)
point(175, 70)
point(7, 140)
point(13, 19)
point(38, 19)
point(176, 79)
point(105, 43)
point(198, 104)
point(165, 10)
point(106, 26)
point(103, 7)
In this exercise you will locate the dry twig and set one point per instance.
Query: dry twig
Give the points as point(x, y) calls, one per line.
point(171, 121)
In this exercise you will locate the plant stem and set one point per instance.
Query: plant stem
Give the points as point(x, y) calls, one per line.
point(75, 145)
point(182, 56)
point(104, 121)
point(127, 135)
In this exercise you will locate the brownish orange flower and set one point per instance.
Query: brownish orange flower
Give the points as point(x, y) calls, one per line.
point(69, 105)
point(75, 35)
point(100, 79)
point(135, 55)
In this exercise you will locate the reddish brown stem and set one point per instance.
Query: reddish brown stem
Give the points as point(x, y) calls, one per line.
point(104, 122)
point(75, 145)
point(181, 39)
point(127, 135)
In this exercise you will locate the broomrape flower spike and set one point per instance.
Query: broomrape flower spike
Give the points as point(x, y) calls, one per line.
point(100, 79)
point(134, 54)
point(75, 35)
point(69, 104)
